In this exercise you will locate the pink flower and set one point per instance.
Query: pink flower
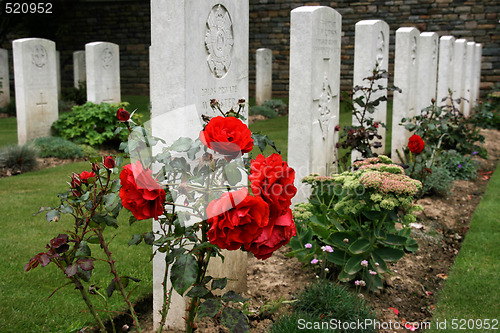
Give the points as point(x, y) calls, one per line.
point(308, 246)
point(314, 261)
point(327, 248)
point(372, 272)
point(364, 263)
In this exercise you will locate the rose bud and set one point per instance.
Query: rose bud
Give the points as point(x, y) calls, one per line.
point(433, 100)
point(122, 115)
point(75, 180)
point(337, 128)
point(95, 167)
point(375, 124)
point(109, 162)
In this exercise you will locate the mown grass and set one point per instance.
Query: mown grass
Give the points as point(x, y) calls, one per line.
point(471, 291)
point(8, 131)
point(23, 295)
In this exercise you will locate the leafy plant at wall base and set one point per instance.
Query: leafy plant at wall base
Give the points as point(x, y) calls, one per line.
point(277, 105)
point(19, 158)
point(263, 111)
point(92, 124)
point(57, 147)
point(447, 128)
point(363, 135)
point(458, 165)
point(354, 218)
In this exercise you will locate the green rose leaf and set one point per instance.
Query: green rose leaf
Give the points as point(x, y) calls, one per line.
point(136, 239)
point(83, 250)
point(235, 320)
point(219, 283)
point(198, 291)
point(52, 216)
point(209, 308)
point(111, 288)
point(232, 173)
point(149, 238)
point(184, 272)
point(233, 297)
point(182, 144)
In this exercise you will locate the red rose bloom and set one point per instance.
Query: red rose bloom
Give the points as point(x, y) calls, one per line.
point(228, 136)
point(272, 179)
point(236, 219)
point(84, 176)
point(276, 234)
point(416, 144)
point(122, 115)
point(109, 162)
point(140, 193)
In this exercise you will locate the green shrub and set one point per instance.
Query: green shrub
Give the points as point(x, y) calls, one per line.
point(76, 95)
point(19, 158)
point(439, 181)
point(324, 302)
point(277, 105)
point(487, 113)
point(10, 109)
point(264, 111)
point(57, 147)
point(92, 124)
point(458, 165)
point(88, 151)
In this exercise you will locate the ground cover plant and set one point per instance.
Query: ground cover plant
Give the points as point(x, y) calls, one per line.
point(57, 147)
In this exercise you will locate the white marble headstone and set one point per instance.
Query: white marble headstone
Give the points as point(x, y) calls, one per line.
point(315, 36)
point(477, 73)
point(427, 69)
point(445, 69)
point(371, 47)
point(405, 78)
point(199, 52)
point(458, 71)
point(4, 79)
point(79, 70)
point(470, 50)
point(35, 79)
point(264, 75)
point(102, 61)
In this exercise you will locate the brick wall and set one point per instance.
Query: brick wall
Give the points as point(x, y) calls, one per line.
point(127, 23)
point(73, 24)
point(473, 20)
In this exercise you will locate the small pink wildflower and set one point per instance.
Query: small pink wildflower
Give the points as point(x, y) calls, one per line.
point(364, 263)
point(327, 248)
point(308, 246)
point(372, 272)
point(314, 261)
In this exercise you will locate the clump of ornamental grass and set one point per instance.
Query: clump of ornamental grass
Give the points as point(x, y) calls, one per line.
point(326, 306)
point(57, 147)
point(19, 158)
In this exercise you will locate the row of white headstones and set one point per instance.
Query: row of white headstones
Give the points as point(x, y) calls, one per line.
point(37, 82)
point(199, 51)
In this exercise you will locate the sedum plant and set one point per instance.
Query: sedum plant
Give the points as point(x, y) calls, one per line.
point(358, 221)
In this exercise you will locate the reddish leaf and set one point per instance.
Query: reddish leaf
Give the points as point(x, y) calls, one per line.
point(44, 259)
point(71, 270)
point(86, 264)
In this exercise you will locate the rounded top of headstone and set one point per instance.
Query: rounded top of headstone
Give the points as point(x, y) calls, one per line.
point(429, 34)
point(93, 44)
point(461, 41)
point(33, 40)
point(450, 38)
point(309, 8)
point(407, 30)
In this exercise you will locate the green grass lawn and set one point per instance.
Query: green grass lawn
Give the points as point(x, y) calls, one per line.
point(23, 295)
point(472, 291)
point(8, 131)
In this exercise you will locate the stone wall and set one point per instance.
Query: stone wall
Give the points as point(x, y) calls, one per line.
point(474, 20)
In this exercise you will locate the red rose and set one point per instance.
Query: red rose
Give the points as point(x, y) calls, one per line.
point(276, 234)
point(84, 176)
point(416, 144)
point(109, 162)
point(375, 124)
point(140, 193)
point(122, 115)
point(272, 179)
point(236, 219)
point(228, 136)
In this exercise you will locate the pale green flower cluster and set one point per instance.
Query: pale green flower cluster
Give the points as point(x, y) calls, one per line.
point(391, 168)
point(302, 211)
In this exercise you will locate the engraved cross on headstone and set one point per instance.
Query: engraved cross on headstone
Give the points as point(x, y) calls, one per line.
point(325, 101)
point(108, 98)
point(41, 106)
